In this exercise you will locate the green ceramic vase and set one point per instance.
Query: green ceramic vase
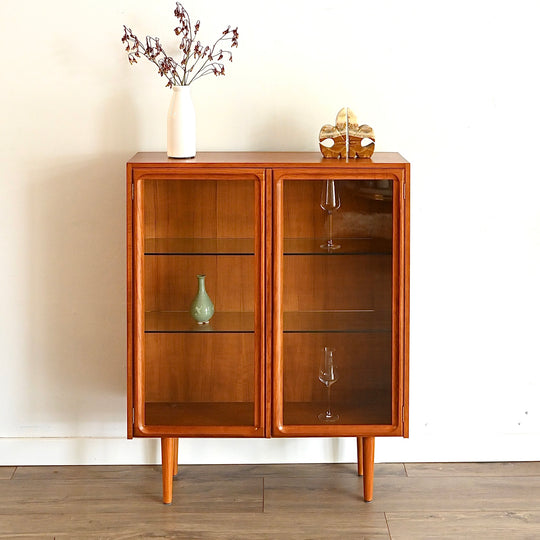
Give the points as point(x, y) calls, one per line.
point(202, 308)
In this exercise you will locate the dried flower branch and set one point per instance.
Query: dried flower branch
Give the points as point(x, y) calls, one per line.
point(196, 60)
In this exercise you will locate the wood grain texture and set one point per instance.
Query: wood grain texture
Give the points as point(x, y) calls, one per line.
point(174, 207)
point(470, 525)
point(404, 317)
point(268, 296)
point(247, 526)
point(145, 473)
point(287, 470)
point(525, 468)
point(175, 456)
point(265, 159)
point(372, 206)
point(129, 299)
point(167, 461)
point(229, 200)
point(346, 138)
point(367, 412)
point(394, 494)
point(199, 208)
point(81, 473)
point(363, 363)
point(96, 496)
point(200, 367)
point(319, 501)
point(6, 473)
point(200, 414)
point(368, 454)
point(365, 210)
point(359, 456)
point(171, 282)
point(316, 494)
point(345, 282)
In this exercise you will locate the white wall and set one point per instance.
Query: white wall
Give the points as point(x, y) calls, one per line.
point(453, 86)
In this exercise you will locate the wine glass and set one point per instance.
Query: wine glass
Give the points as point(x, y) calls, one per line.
point(328, 376)
point(330, 202)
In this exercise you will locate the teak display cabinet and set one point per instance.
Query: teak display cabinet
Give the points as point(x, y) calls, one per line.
point(306, 262)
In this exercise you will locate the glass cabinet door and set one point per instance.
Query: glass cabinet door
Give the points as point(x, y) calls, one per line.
point(335, 327)
point(197, 377)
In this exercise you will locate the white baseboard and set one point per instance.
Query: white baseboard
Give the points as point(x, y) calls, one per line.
point(115, 451)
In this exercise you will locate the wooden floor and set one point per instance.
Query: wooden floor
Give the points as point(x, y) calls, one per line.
point(412, 501)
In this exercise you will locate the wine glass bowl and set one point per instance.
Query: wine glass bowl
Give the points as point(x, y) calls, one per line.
point(330, 202)
point(330, 199)
point(328, 376)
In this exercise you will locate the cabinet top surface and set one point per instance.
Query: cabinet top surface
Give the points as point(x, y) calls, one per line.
point(270, 159)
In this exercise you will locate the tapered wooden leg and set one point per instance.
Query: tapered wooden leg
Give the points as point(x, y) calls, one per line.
point(368, 450)
point(167, 459)
point(175, 457)
point(359, 454)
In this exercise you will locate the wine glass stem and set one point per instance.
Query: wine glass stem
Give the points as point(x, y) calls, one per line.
point(330, 229)
point(328, 411)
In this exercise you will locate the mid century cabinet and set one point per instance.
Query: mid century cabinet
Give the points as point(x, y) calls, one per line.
point(306, 262)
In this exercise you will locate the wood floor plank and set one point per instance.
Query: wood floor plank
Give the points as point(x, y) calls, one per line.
point(529, 468)
point(470, 525)
point(87, 472)
point(341, 493)
point(169, 524)
point(37, 536)
point(6, 472)
point(403, 494)
point(104, 495)
point(272, 501)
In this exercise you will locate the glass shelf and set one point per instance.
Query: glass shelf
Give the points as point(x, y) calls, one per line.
point(199, 246)
point(339, 321)
point(349, 246)
point(181, 322)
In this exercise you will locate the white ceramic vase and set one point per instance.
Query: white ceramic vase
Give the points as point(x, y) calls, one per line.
point(181, 124)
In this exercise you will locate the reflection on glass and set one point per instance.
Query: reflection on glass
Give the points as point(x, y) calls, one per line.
point(339, 298)
point(330, 202)
point(328, 376)
point(195, 372)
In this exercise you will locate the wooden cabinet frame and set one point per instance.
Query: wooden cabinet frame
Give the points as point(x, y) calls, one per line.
point(267, 172)
point(399, 425)
point(214, 173)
